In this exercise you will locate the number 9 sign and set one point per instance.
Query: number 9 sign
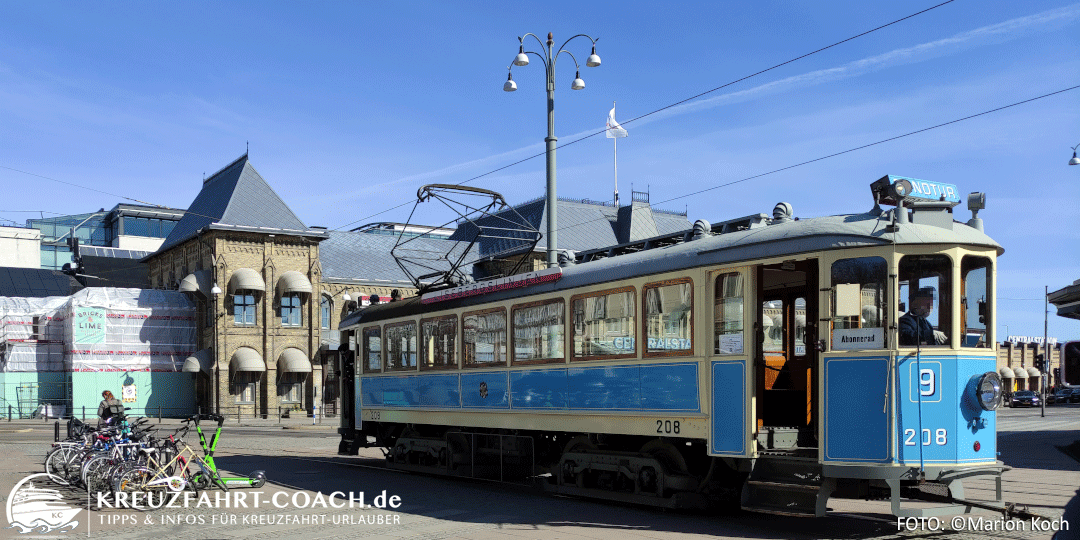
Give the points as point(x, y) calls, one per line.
point(925, 382)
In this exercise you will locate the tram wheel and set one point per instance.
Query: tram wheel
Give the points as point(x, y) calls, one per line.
point(581, 443)
point(666, 454)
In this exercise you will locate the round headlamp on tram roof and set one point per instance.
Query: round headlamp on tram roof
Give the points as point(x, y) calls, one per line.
point(901, 189)
point(989, 391)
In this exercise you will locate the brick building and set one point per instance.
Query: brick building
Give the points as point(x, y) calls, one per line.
point(1016, 365)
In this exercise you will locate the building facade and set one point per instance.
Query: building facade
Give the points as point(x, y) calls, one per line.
point(126, 227)
point(270, 293)
point(253, 268)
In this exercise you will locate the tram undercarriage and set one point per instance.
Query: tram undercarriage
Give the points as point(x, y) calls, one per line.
point(669, 472)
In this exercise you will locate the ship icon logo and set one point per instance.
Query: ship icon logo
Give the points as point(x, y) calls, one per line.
point(33, 508)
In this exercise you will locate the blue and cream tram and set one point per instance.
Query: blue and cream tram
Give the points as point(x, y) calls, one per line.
point(775, 361)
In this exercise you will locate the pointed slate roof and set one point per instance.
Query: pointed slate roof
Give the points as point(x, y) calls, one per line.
point(237, 198)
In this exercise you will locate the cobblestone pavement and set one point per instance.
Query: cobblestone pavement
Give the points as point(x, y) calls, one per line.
point(304, 470)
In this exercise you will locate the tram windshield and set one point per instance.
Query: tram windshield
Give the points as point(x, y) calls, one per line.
point(858, 303)
point(974, 301)
point(925, 301)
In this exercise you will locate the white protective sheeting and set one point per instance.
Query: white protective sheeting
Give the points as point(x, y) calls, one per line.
point(137, 330)
point(33, 331)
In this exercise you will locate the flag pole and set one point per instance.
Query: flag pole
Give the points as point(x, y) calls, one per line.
point(616, 140)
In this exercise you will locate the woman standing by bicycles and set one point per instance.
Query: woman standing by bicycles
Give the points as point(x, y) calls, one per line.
point(109, 407)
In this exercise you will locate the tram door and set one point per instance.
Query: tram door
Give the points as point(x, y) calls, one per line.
point(786, 362)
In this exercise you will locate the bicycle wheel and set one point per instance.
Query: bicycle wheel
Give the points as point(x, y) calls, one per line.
point(199, 477)
point(133, 479)
point(92, 469)
point(61, 465)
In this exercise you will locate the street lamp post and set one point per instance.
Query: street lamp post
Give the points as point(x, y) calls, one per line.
point(548, 58)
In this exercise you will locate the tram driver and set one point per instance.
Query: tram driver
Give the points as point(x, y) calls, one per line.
point(915, 329)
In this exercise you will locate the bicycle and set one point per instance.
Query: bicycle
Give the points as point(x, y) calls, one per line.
point(173, 472)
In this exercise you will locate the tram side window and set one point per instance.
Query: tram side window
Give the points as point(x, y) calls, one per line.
point(728, 314)
point(401, 346)
point(484, 338)
point(604, 325)
point(858, 302)
point(372, 339)
point(437, 345)
point(538, 331)
point(668, 318)
point(925, 300)
point(974, 301)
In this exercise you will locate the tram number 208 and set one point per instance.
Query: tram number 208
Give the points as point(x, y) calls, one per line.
point(670, 427)
point(939, 437)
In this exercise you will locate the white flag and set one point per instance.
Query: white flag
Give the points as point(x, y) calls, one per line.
point(614, 130)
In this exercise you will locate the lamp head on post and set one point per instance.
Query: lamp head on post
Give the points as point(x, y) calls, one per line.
point(521, 59)
point(215, 290)
point(593, 60)
point(578, 84)
point(346, 296)
point(509, 85)
point(548, 54)
point(1075, 160)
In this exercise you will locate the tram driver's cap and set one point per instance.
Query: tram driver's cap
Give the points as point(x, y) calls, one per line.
point(925, 292)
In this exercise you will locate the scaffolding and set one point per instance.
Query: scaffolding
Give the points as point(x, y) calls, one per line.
point(97, 329)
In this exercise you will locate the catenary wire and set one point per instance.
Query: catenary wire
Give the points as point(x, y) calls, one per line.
point(807, 162)
point(541, 153)
point(627, 122)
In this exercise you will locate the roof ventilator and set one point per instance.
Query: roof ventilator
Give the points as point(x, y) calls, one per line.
point(567, 257)
point(701, 230)
point(781, 213)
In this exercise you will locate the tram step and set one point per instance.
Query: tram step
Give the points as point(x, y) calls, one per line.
point(780, 498)
point(780, 511)
point(785, 486)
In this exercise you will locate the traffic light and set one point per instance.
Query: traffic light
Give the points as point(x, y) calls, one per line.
point(1040, 364)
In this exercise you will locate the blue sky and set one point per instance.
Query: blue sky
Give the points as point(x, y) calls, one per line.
point(350, 107)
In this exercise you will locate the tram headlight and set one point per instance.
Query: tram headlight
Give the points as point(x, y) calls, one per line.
point(989, 391)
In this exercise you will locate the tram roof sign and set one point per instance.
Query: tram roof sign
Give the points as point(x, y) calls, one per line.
point(920, 189)
point(501, 284)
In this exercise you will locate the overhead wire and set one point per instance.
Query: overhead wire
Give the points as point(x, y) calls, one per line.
point(862, 147)
point(677, 103)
